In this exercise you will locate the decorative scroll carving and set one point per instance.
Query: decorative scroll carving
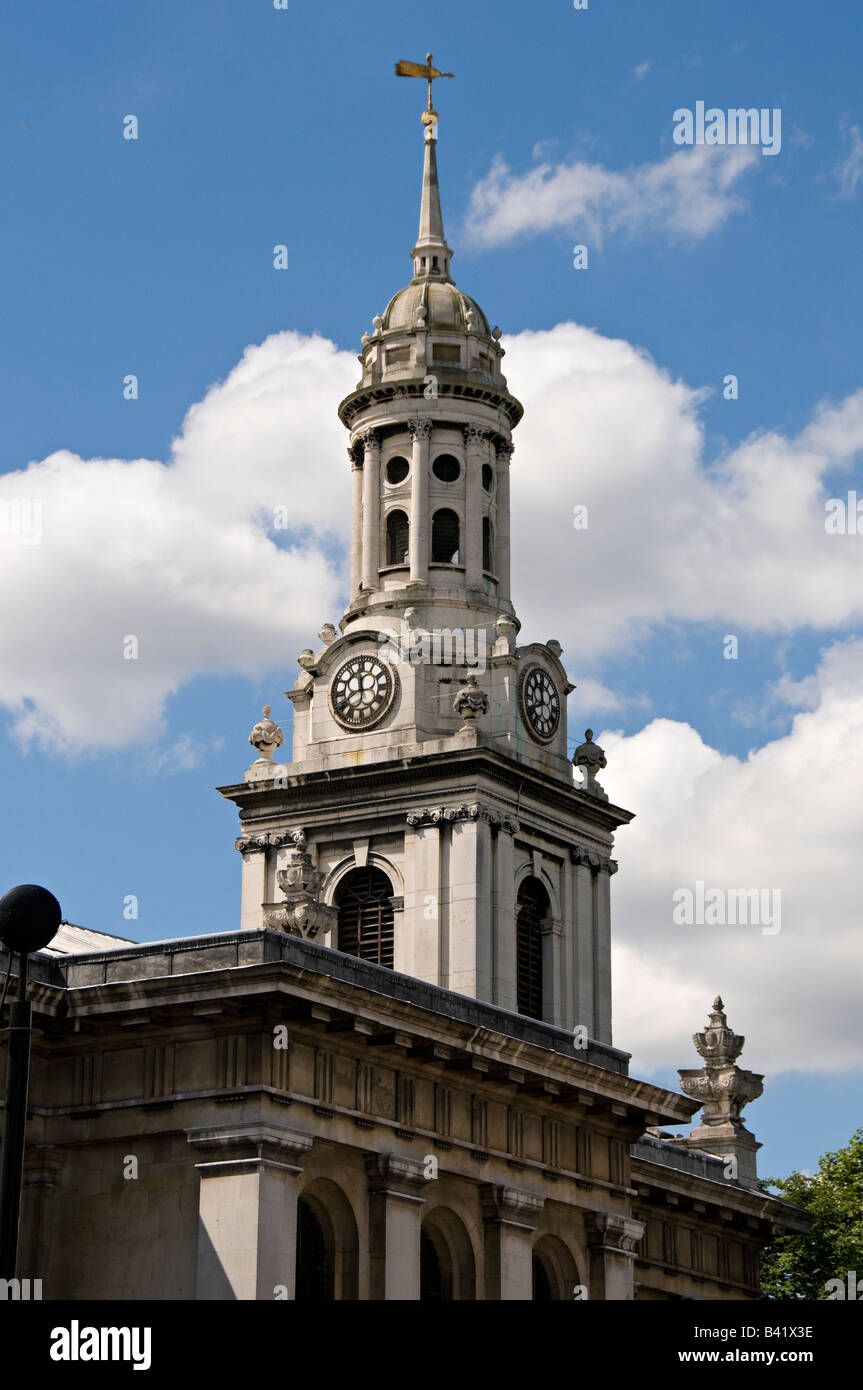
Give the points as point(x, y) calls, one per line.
point(594, 859)
point(437, 814)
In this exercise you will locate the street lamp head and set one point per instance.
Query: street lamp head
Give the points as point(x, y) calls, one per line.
point(29, 917)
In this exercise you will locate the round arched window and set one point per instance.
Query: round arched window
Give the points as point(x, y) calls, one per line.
point(488, 477)
point(445, 537)
point(446, 468)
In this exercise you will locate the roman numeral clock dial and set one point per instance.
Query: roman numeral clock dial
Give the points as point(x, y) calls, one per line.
point(540, 703)
point(362, 692)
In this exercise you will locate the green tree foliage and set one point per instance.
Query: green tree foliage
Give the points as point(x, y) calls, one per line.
point(800, 1266)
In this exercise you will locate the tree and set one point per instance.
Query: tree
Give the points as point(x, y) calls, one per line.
point(800, 1266)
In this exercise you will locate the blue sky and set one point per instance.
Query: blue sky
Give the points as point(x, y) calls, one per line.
point(154, 257)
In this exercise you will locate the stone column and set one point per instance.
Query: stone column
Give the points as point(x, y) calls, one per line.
point(503, 918)
point(420, 521)
point(510, 1217)
point(504, 454)
point(371, 509)
point(611, 1242)
point(247, 1211)
point(253, 892)
point(476, 454)
point(419, 951)
point(602, 950)
point(356, 523)
point(395, 1185)
point(583, 927)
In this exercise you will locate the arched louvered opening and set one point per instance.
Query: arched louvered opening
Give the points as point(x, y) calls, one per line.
point(366, 917)
point(314, 1258)
point(398, 534)
point(532, 911)
point(487, 545)
point(445, 537)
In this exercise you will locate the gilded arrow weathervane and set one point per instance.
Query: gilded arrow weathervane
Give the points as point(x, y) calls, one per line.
point(406, 69)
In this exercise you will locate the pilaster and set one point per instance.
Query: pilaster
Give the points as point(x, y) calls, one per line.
point(394, 1226)
point(510, 1217)
point(247, 1210)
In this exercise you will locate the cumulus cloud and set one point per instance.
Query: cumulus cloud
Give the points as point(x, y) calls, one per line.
point(685, 197)
point(740, 543)
point(186, 556)
point(788, 818)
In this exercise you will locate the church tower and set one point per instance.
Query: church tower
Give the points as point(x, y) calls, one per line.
point(429, 819)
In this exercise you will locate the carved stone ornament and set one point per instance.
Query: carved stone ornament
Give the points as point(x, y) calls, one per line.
point(302, 914)
point(421, 429)
point(722, 1087)
point(591, 758)
point(266, 736)
point(437, 815)
point(470, 702)
point(594, 859)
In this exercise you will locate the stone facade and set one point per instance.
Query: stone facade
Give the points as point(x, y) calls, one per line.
point(247, 1076)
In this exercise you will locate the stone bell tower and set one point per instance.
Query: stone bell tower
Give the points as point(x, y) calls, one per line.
point(429, 818)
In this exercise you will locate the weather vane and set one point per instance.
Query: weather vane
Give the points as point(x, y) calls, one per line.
point(406, 69)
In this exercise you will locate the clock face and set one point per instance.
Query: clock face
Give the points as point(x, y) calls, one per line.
point(540, 703)
point(362, 691)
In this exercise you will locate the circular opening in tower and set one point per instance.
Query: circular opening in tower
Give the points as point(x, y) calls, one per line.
point(446, 468)
point(397, 470)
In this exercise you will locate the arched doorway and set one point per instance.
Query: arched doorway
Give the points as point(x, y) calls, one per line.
point(327, 1249)
point(447, 1265)
point(432, 1284)
point(314, 1260)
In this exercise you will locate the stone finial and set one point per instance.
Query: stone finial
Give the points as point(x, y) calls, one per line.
point(507, 632)
point(327, 634)
point(306, 658)
point(470, 702)
point(723, 1089)
point(266, 736)
point(412, 617)
point(591, 758)
point(554, 647)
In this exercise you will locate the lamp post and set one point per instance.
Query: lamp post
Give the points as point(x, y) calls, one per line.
point(29, 918)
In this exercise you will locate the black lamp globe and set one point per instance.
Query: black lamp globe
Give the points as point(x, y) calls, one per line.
point(29, 917)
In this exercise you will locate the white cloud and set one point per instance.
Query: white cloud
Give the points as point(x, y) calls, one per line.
point(181, 556)
point(849, 170)
point(740, 544)
point(789, 817)
point(685, 197)
point(642, 69)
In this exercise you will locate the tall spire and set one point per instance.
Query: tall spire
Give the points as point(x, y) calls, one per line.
point(431, 255)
